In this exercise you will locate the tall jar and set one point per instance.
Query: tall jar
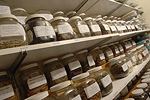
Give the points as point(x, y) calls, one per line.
point(46, 13)
point(32, 80)
point(71, 14)
point(112, 26)
point(135, 56)
point(145, 87)
point(139, 57)
point(121, 50)
point(114, 49)
point(59, 13)
point(103, 79)
point(12, 33)
point(87, 87)
point(63, 29)
point(93, 26)
point(139, 94)
point(125, 45)
point(79, 26)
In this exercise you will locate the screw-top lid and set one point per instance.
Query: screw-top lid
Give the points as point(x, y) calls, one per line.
point(80, 76)
point(34, 16)
point(147, 73)
point(8, 16)
point(87, 18)
point(95, 69)
point(18, 9)
point(71, 12)
point(57, 18)
point(129, 99)
point(105, 17)
point(58, 12)
point(83, 51)
point(137, 92)
point(50, 60)
point(3, 73)
point(145, 76)
point(66, 56)
point(142, 86)
point(146, 80)
point(60, 86)
point(28, 66)
point(82, 14)
point(108, 21)
point(74, 17)
point(99, 16)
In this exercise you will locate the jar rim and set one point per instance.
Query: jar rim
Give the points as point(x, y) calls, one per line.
point(99, 19)
point(28, 66)
point(80, 76)
point(8, 16)
point(50, 60)
point(3, 73)
point(137, 92)
point(87, 18)
point(66, 56)
point(70, 12)
point(145, 76)
point(58, 12)
point(82, 51)
point(74, 17)
point(142, 86)
point(18, 9)
point(95, 69)
point(34, 16)
point(82, 14)
point(57, 18)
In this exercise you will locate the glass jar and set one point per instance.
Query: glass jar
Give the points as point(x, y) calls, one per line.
point(46, 13)
point(114, 49)
point(103, 79)
point(72, 65)
point(87, 87)
point(127, 59)
point(146, 80)
point(124, 91)
point(32, 80)
point(82, 15)
point(132, 26)
point(139, 57)
point(126, 45)
point(133, 43)
point(128, 26)
point(135, 58)
point(4, 8)
point(139, 94)
point(121, 50)
point(59, 13)
point(12, 33)
point(21, 14)
point(119, 26)
point(71, 14)
point(132, 58)
point(145, 87)
point(112, 26)
point(6, 87)
point(55, 71)
point(39, 30)
point(63, 29)
point(124, 28)
point(79, 26)
point(143, 53)
point(64, 91)
point(93, 26)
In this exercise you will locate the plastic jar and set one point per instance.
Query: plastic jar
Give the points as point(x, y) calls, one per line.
point(64, 91)
point(112, 26)
point(71, 14)
point(139, 94)
point(87, 87)
point(145, 87)
point(146, 80)
point(93, 26)
point(39, 30)
point(128, 26)
point(4, 8)
point(12, 33)
point(32, 80)
point(132, 26)
point(82, 15)
point(114, 49)
point(121, 50)
point(59, 13)
point(63, 29)
point(79, 26)
point(55, 71)
point(72, 65)
point(103, 79)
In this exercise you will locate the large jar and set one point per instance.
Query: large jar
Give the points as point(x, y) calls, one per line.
point(114, 49)
point(12, 33)
point(129, 63)
point(58, 13)
point(94, 27)
point(135, 56)
point(55, 71)
point(145, 87)
point(139, 94)
point(121, 50)
point(87, 87)
point(79, 26)
point(39, 30)
point(32, 80)
point(126, 45)
point(63, 29)
point(72, 65)
point(46, 13)
point(71, 14)
point(139, 55)
point(103, 79)
point(64, 91)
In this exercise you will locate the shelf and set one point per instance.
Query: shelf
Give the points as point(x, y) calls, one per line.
point(123, 82)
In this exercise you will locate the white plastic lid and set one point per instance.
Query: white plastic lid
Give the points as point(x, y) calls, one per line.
point(83, 51)
point(98, 16)
point(3, 73)
point(50, 60)
point(80, 76)
point(34, 16)
point(145, 76)
point(105, 17)
point(147, 73)
point(142, 86)
point(87, 18)
point(74, 17)
point(8, 16)
point(66, 56)
point(108, 21)
point(146, 80)
point(95, 69)
point(28, 66)
point(137, 92)
point(82, 14)
point(58, 12)
point(57, 18)
point(60, 86)
point(99, 19)
point(129, 99)
point(38, 96)
point(18, 9)
point(70, 13)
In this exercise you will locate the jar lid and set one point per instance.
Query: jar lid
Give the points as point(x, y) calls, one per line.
point(129, 99)
point(80, 76)
point(145, 76)
point(108, 21)
point(74, 17)
point(18, 9)
point(60, 86)
point(95, 69)
point(147, 73)
point(34, 16)
point(70, 13)
point(66, 19)
point(105, 17)
point(3, 73)
point(82, 14)
point(87, 18)
point(99, 19)
point(50, 60)
point(103, 46)
point(28, 66)
point(148, 69)
point(142, 86)
point(137, 92)
point(66, 56)
point(58, 12)
point(38, 96)
point(146, 80)
point(57, 18)
point(98, 16)
point(80, 52)
point(8, 16)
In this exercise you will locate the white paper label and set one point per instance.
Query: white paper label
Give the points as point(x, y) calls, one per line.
point(48, 16)
point(4, 10)
point(140, 56)
point(10, 30)
point(21, 19)
point(133, 59)
point(129, 27)
point(36, 81)
point(74, 65)
point(109, 53)
point(106, 27)
point(83, 28)
point(92, 90)
point(66, 28)
point(95, 28)
point(102, 56)
point(132, 27)
point(77, 98)
point(6, 92)
point(58, 73)
point(120, 48)
point(106, 81)
point(129, 63)
point(119, 28)
point(43, 31)
point(90, 61)
point(113, 28)
point(124, 67)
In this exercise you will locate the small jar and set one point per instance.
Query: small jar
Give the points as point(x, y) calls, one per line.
point(12, 33)
point(63, 29)
point(146, 80)
point(71, 14)
point(82, 15)
point(93, 26)
point(79, 26)
point(87, 87)
point(103, 79)
point(72, 65)
point(39, 30)
point(124, 91)
point(59, 13)
point(64, 91)
point(112, 26)
point(132, 26)
point(114, 49)
point(32, 80)
point(145, 87)
point(139, 94)
point(55, 71)
point(128, 26)
point(121, 50)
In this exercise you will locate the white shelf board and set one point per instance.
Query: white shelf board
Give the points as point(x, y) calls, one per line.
point(119, 84)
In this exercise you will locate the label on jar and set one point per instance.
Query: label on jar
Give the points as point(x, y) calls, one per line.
point(102, 56)
point(133, 59)
point(119, 28)
point(132, 27)
point(36, 81)
point(92, 90)
point(125, 67)
point(106, 81)
point(41, 31)
point(106, 27)
point(90, 61)
point(48, 16)
point(95, 28)
point(9, 30)
point(129, 63)
point(58, 73)
point(129, 27)
point(109, 53)
point(77, 98)
point(83, 29)
point(140, 56)
point(6, 92)
point(117, 51)
point(120, 48)
point(124, 28)
point(113, 28)
point(21, 19)
point(4, 10)
point(66, 28)
point(74, 65)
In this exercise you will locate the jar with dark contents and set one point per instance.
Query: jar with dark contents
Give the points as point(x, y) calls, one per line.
point(79, 26)
point(59, 13)
point(114, 49)
point(54, 71)
point(121, 50)
point(133, 43)
point(132, 26)
point(139, 94)
point(72, 65)
point(71, 14)
point(64, 91)
point(129, 26)
point(135, 56)
point(103, 79)
point(146, 80)
point(145, 87)
point(82, 15)
point(62, 28)
point(32, 80)
point(46, 13)
point(113, 27)
point(93, 26)
point(87, 87)
point(125, 45)
point(124, 91)
point(39, 30)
